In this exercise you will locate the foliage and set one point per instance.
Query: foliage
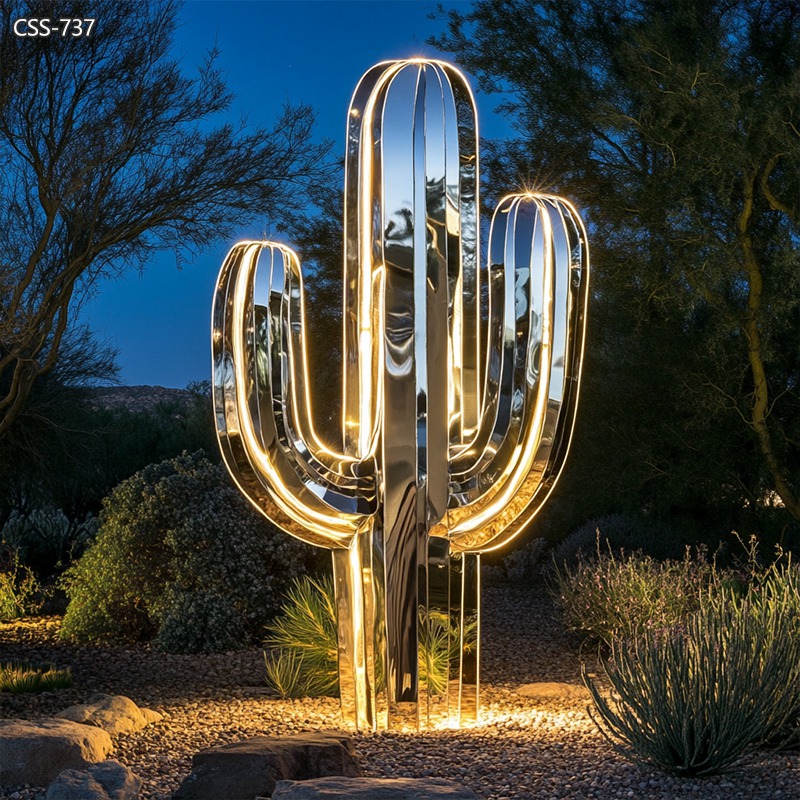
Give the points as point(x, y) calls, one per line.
point(289, 677)
point(303, 641)
point(87, 188)
point(46, 537)
point(519, 567)
point(619, 533)
point(673, 124)
point(21, 593)
point(613, 597)
point(691, 698)
point(180, 557)
point(18, 678)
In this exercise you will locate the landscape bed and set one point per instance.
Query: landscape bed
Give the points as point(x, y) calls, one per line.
point(524, 748)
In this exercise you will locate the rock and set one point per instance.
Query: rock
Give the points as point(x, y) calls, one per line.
point(108, 780)
point(36, 751)
point(244, 770)
point(115, 714)
point(554, 692)
point(372, 789)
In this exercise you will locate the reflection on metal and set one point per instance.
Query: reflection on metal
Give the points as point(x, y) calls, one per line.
point(459, 397)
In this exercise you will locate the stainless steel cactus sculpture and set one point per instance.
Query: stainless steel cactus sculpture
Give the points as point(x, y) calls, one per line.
point(459, 397)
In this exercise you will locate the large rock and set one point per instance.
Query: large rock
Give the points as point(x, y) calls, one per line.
point(108, 780)
point(553, 692)
point(36, 751)
point(115, 714)
point(372, 789)
point(244, 770)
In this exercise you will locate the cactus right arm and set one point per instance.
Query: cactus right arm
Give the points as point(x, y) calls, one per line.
point(538, 278)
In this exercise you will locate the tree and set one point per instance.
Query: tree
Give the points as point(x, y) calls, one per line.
point(675, 125)
point(107, 153)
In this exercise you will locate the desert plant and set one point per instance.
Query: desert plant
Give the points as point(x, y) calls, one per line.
point(619, 533)
point(285, 673)
point(18, 678)
point(615, 596)
point(518, 568)
point(45, 538)
point(302, 645)
point(690, 699)
point(180, 557)
point(303, 641)
point(21, 594)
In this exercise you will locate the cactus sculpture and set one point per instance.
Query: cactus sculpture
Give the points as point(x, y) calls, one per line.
point(459, 397)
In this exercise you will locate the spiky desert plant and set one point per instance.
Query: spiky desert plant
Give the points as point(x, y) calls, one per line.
point(691, 699)
point(303, 640)
point(289, 675)
point(17, 678)
point(301, 657)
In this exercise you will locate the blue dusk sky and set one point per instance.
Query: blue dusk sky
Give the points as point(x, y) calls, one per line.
point(271, 51)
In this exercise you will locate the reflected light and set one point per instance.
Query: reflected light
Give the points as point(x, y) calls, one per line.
point(458, 401)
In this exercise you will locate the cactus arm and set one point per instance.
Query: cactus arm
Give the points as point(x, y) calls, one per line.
point(557, 437)
point(463, 254)
point(252, 438)
point(505, 495)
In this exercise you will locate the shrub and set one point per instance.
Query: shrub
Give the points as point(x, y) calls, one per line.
point(615, 596)
point(18, 678)
point(621, 534)
point(304, 642)
point(183, 558)
point(45, 538)
point(519, 567)
point(21, 593)
point(303, 649)
point(690, 699)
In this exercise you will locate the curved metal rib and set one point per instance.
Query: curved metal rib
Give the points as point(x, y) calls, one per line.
point(541, 246)
point(315, 497)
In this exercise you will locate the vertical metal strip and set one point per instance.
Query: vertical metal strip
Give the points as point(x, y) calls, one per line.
point(470, 638)
point(399, 428)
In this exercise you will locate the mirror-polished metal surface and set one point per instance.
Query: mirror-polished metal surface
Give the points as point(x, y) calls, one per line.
point(454, 427)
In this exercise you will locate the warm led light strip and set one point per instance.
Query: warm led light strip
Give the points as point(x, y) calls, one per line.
point(439, 462)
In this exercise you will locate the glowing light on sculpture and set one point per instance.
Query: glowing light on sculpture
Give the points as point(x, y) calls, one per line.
point(459, 398)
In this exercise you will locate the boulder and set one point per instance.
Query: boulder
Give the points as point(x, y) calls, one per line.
point(372, 789)
point(244, 770)
point(108, 780)
point(115, 714)
point(550, 692)
point(36, 751)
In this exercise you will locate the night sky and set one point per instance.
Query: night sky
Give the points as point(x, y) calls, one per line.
point(271, 52)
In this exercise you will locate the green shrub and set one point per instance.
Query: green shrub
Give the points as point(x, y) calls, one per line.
point(18, 678)
point(302, 644)
point(45, 538)
point(690, 699)
point(287, 676)
point(180, 557)
point(618, 533)
point(517, 568)
point(21, 593)
point(614, 596)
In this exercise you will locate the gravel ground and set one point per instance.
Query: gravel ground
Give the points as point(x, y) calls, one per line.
point(522, 749)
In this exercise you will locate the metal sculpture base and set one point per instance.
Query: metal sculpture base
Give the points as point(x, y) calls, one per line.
point(444, 639)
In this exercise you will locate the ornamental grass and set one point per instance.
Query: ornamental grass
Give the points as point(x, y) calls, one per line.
point(18, 678)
